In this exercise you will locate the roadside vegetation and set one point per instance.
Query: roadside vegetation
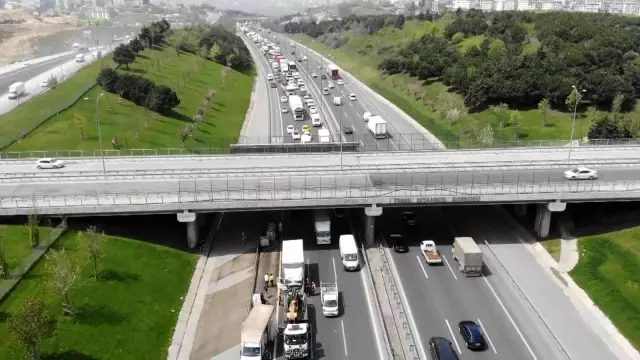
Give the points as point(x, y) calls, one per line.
point(494, 77)
point(15, 246)
point(609, 271)
point(159, 96)
point(95, 296)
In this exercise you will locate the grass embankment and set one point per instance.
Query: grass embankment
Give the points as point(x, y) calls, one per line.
point(129, 313)
point(423, 100)
point(15, 241)
point(609, 271)
point(220, 126)
point(553, 248)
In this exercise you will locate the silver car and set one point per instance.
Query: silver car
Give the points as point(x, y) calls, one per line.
point(49, 163)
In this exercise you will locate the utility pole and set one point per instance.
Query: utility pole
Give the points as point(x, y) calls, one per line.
point(104, 168)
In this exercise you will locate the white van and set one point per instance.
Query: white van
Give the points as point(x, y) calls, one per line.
point(80, 58)
point(349, 252)
point(323, 227)
point(337, 101)
point(315, 120)
point(309, 102)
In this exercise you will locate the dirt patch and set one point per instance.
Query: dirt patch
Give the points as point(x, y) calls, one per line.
point(239, 263)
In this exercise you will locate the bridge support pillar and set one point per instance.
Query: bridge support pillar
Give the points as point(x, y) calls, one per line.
point(543, 217)
point(191, 219)
point(520, 209)
point(370, 223)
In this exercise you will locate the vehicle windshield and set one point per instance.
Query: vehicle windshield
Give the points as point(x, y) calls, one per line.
point(351, 257)
point(295, 339)
point(331, 303)
point(323, 234)
point(251, 351)
point(575, 170)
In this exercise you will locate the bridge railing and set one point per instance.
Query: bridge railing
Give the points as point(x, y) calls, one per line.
point(400, 190)
point(400, 142)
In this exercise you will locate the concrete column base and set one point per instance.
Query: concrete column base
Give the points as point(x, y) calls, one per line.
point(543, 217)
point(370, 222)
point(190, 218)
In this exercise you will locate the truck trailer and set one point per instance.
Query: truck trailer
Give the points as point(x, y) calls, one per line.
point(332, 71)
point(295, 104)
point(292, 264)
point(324, 136)
point(468, 254)
point(257, 331)
point(377, 126)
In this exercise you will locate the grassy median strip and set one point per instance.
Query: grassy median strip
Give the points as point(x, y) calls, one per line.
point(609, 271)
point(128, 313)
point(14, 239)
point(189, 75)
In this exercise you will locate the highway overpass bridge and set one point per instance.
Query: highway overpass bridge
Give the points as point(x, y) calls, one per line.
point(190, 184)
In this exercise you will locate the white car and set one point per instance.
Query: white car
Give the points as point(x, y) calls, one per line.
point(49, 163)
point(314, 75)
point(285, 110)
point(340, 82)
point(353, 97)
point(306, 137)
point(44, 83)
point(290, 129)
point(307, 97)
point(283, 99)
point(295, 135)
point(270, 77)
point(581, 173)
point(366, 116)
point(300, 82)
point(313, 110)
point(331, 85)
point(296, 75)
point(325, 91)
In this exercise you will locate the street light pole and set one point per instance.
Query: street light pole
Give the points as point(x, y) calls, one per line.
point(577, 99)
point(104, 168)
point(340, 132)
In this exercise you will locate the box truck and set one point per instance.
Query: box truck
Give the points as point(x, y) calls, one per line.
point(257, 331)
point(295, 104)
point(332, 71)
point(16, 90)
point(324, 135)
point(292, 264)
point(468, 254)
point(322, 226)
point(377, 126)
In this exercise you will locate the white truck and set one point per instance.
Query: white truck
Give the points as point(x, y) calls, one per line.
point(315, 120)
point(322, 224)
point(295, 104)
point(468, 254)
point(324, 135)
point(329, 298)
point(296, 334)
point(16, 90)
point(257, 331)
point(431, 254)
point(349, 252)
point(292, 264)
point(377, 126)
point(80, 58)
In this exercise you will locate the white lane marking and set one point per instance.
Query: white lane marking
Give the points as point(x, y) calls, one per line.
point(449, 266)
point(344, 338)
point(510, 319)
point(345, 115)
point(371, 314)
point(335, 273)
point(422, 266)
point(484, 330)
point(453, 336)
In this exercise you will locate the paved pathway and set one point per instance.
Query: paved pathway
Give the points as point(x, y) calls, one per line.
point(256, 123)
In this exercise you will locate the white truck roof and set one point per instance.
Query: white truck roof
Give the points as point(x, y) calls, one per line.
point(293, 251)
point(467, 245)
point(373, 119)
point(255, 324)
point(323, 223)
point(348, 244)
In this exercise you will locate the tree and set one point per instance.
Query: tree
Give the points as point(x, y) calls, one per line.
point(452, 116)
point(162, 99)
point(4, 265)
point(145, 35)
point(544, 106)
point(499, 112)
point(616, 106)
point(31, 324)
point(62, 274)
point(516, 122)
point(92, 242)
point(485, 137)
point(124, 55)
point(197, 119)
point(573, 99)
point(136, 45)
point(108, 79)
point(214, 52)
point(592, 114)
point(34, 230)
point(52, 81)
point(606, 128)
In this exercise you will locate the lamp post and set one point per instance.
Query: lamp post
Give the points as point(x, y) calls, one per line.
point(340, 132)
point(578, 97)
point(104, 168)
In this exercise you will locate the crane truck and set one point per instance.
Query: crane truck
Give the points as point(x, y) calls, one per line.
point(296, 332)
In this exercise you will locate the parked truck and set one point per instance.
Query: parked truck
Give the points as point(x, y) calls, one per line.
point(257, 331)
point(16, 90)
point(329, 298)
point(468, 254)
point(431, 254)
point(292, 264)
point(324, 135)
point(377, 126)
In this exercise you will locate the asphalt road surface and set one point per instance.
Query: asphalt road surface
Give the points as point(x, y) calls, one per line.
point(30, 71)
point(349, 335)
point(441, 296)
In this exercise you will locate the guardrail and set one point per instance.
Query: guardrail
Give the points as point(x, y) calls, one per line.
point(221, 150)
point(398, 310)
point(345, 170)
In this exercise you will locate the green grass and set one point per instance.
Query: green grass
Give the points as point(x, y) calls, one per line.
point(129, 314)
point(609, 271)
point(220, 126)
point(424, 100)
point(552, 247)
point(15, 241)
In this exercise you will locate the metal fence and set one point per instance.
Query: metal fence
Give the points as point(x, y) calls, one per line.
point(221, 147)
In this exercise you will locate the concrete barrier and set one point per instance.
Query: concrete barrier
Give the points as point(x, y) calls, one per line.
point(293, 148)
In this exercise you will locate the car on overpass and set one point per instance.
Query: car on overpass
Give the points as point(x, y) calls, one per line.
point(472, 335)
point(581, 173)
point(49, 163)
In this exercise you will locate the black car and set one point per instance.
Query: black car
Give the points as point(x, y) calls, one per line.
point(323, 77)
point(441, 349)
point(472, 335)
point(348, 130)
point(399, 246)
point(409, 218)
point(272, 84)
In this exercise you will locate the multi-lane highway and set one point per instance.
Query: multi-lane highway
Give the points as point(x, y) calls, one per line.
point(30, 71)
point(351, 334)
